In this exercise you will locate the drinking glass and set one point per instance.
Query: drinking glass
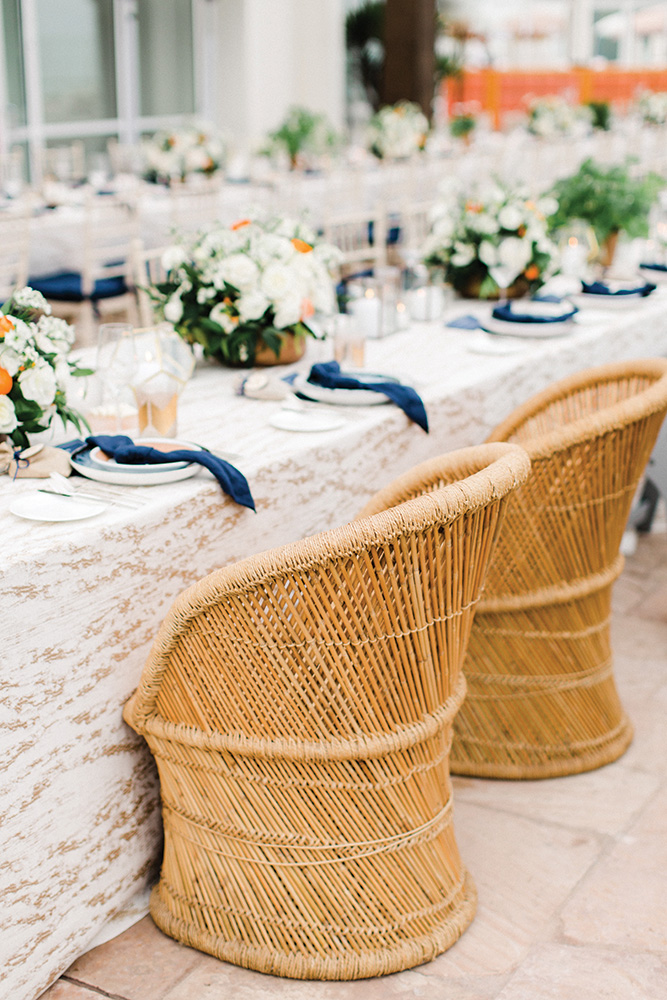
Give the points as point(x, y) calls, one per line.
point(116, 411)
point(349, 342)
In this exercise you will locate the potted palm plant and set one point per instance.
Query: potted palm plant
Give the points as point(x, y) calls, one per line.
point(610, 199)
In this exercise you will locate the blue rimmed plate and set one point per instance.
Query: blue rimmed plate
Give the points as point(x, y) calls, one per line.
point(94, 464)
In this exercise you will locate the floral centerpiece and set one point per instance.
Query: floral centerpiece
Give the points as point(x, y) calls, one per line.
point(652, 107)
point(34, 368)
point(304, 135)
point(492, 241)
point(554, 116)
point(246, 288)
point(398, 131)
point(609, 199)
point(175, 155)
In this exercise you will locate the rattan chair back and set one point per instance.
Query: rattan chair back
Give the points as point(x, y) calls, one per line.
point(299, 706)
point(542, 699)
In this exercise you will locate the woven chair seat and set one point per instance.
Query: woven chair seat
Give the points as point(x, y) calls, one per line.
point(542, 700)
point(299, 705)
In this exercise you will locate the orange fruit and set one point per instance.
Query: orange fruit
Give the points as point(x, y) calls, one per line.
point(301, 245)
point(6, 382)
point(5, 325)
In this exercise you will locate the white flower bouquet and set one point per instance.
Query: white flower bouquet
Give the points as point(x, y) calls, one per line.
point(554, 116)
point(491, 241)
point(237, 289)
point(177, 154)
point(34, 368)
point(398, 131)
point(652, 107)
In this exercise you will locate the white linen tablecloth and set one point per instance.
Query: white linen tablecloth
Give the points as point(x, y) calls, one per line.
point(80, 824)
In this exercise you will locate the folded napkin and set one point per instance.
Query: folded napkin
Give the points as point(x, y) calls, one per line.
point(507, 313)
point(124, 450)
point(328, 374)
point(37, 462)
point(465, 323)
point(654, 267)
point(600, 288)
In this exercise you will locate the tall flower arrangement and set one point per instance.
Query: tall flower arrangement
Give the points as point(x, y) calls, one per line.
point(652, 107)
point(491, 240)
point(34, 368)
point(175, 154)
point(554, 116)
point(398, 131)
point(235, 289)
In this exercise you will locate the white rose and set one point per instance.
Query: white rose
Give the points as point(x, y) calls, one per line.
point(8, 421)
point(510, 217)
point(463, 255)
point(173, 308)
point(10, 361)
point(482, 223)
point(287, 311)
point(239, 271)
point(547, 206)
point(487, 253)
point(39, 384)
point(173, 257)
point(252, 306)
point(277, 281)
point(514, 254)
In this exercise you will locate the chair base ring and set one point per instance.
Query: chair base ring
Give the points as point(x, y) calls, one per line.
point(546, 767)
point(344, 965)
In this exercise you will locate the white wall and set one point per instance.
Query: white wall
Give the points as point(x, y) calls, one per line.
point(271, 54)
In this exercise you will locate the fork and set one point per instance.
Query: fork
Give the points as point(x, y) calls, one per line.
point(60, 485)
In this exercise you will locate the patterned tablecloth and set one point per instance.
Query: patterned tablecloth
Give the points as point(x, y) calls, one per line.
point(80, 824)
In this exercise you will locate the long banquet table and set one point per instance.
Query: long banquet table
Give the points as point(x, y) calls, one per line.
point(80, 819)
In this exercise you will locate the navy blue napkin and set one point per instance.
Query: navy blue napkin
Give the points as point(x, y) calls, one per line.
point(599, 288)
point(328, 374)
point(505, 312)
point(654, 267)
point(465, 323)
point(124, 450)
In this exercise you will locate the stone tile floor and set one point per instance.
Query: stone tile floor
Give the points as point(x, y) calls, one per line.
point(571, 872)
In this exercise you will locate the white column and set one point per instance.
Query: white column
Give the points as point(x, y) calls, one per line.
point(580, 41)
point(275, 53)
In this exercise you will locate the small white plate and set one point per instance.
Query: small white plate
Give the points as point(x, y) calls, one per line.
point(654, 276)
point(345, 397)
point(306, 420)
point(41, 507)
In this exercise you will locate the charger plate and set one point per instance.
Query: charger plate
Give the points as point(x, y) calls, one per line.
point(93, 464)
point(345, 397)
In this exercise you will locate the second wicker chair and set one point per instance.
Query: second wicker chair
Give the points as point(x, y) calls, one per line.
point(299, 705)
point(542, 700)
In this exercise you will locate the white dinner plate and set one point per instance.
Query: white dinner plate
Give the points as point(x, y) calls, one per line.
point(589, 299)
point(103, 461)
point(345, 397)
point(532, 331)
point(42, 507)
point(654, 276)
point(306, 420)
point(136, 475)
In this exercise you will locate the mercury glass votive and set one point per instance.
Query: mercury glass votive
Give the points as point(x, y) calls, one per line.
point(164, 365)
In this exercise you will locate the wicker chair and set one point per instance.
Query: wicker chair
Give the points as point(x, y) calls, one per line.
point(299, 706)
point(541, 696)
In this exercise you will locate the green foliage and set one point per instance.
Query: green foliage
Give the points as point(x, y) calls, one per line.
point(304, 131)
point(462, 125)
point(601, 114)
point(608, 198)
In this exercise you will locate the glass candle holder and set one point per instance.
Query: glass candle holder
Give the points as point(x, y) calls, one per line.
point(349, 341)
point(164, 363)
